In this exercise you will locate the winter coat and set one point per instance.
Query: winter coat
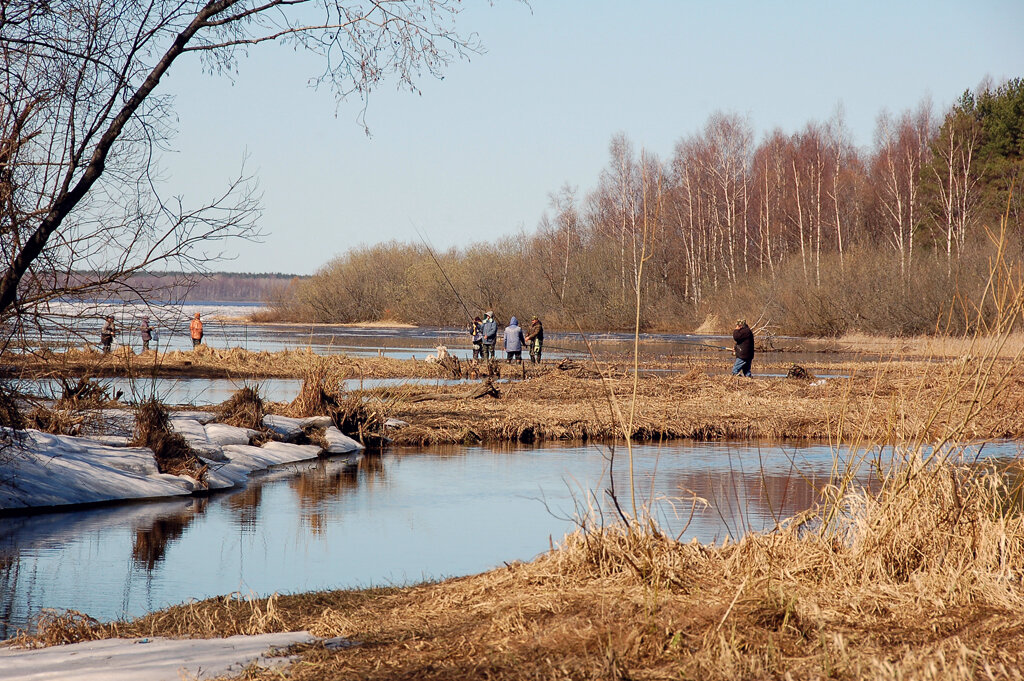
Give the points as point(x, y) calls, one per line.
point(196, 329)
point(109, 330)
point(514, 340)
point(536, 334)
point(744, 339)
point(490, 331)
point(146, 331)
point(475, 330)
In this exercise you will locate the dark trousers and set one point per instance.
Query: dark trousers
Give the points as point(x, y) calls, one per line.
point(514, 356)
point(535, 353)
point(478, 350)
point(488, 349)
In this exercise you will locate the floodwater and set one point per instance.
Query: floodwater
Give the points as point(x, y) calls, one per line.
point(225, 326)
point(397, 518)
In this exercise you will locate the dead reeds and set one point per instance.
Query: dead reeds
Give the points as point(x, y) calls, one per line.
point(244, 409)
point(172, 452)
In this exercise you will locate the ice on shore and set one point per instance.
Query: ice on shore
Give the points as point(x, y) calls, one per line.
point(290, 428)
point(339, 443)
point(149, 659)
point(42, 470)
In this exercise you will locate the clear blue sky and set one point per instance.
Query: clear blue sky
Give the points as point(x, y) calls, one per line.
point(477, 154)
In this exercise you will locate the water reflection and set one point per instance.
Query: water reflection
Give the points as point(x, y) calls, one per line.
point(150, 543)
point(328, 481)
point(403, 516)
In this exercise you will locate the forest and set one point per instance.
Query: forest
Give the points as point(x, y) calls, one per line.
point(804, 233)
point(230, 287)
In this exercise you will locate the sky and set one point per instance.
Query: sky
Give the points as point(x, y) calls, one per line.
point(476, 156)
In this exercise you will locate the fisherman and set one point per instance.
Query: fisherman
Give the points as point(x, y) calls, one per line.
point(489, 329)
point(196, 331)
point(476, 331)
point(744, 339)
point(535, 339)
point(514, 341)
point(107, 334)
point(146, 333)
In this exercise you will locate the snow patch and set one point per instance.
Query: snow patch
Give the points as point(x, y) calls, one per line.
point(152, 659)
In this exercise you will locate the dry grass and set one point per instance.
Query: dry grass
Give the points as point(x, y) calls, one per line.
point(321, 388)
point(172, 452)
point(884, 401)
point(949, 347)
point(244, 409)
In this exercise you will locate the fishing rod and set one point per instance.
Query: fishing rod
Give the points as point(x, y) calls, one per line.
point(443, 273)
point(705, 345)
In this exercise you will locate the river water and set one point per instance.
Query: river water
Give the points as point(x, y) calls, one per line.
point(401, 517)
point(226, 326)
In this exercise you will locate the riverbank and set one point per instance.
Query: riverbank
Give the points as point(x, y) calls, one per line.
point(691, 396)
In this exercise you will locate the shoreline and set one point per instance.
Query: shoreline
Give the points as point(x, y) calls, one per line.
point(687, 397)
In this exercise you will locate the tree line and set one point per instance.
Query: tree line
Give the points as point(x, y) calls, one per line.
point(804, 232)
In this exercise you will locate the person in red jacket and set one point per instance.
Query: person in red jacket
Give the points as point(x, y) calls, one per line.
point(196, 331)
point(744, 339)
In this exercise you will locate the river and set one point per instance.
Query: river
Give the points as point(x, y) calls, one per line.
point(397, 518)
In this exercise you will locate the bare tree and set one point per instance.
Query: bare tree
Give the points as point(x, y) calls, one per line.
point(901, 152)
point(82, 121)
point(954, 177)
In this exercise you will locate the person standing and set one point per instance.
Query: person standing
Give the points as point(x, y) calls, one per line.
point(476, 331)
point(196, 331)
point(535, 339)
point(489, 329)
point(744, 339)
point(145, 333)
point(107, 334)
point(514, 341)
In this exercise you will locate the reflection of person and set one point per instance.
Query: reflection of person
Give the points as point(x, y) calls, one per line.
point(514, 341)
point(107, 333)
point(535, 339)
point(489, 329)
point(146, 333)
point(475, 330)
point(744, 339)
point(196, 331)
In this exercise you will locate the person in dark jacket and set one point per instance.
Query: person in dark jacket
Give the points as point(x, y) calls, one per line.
point(744, 339)
point(489, 329)
point(535, 339)
point(107, 333)
point(145, 333)
point(476, 331)
point(514, 341)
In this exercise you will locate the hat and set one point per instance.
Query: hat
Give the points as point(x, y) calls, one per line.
point(489, 313)
point(534, 318)
point(741, 322)
point(197, 315)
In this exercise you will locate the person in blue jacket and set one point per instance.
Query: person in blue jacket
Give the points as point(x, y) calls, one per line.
point(514, 341)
